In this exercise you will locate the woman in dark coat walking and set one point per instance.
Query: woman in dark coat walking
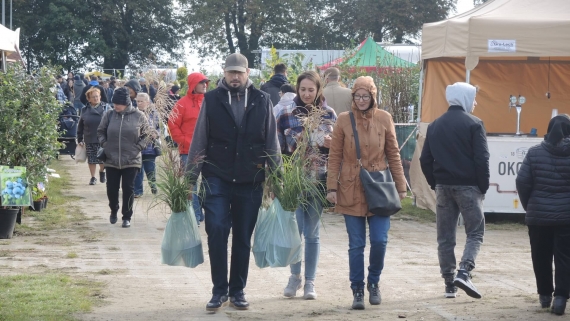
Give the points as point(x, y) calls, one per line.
point(543, 184)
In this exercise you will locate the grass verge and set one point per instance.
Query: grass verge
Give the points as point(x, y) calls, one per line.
point(60, 213)
point(46, 297)
point(411, 212)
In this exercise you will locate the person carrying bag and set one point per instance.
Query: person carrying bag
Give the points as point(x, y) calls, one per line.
point(362, 146)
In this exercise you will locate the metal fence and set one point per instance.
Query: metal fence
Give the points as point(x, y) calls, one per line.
point(406, 135)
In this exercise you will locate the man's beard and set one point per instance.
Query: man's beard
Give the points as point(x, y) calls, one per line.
point(235, 89)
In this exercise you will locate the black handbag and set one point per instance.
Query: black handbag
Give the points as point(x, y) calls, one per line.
point(379, 187)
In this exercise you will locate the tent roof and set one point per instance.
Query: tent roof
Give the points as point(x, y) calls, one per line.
point(535, 28)
point(368, 55)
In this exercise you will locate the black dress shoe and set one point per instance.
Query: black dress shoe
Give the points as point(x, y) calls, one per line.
point(113, 218)
point(216, 302)
point(238, 301)
point(126, 223)
point(559, 305)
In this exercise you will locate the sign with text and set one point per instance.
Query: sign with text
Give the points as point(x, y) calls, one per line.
point(502, 45)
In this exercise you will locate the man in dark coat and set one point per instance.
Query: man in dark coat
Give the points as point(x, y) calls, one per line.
point(273, 86)
point(93, 83)
point(455, 162)
point(239, 117)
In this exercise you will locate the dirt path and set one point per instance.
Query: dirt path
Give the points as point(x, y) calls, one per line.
point(140, 288)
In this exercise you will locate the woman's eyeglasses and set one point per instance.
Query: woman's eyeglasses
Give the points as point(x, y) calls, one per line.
point(364, 98)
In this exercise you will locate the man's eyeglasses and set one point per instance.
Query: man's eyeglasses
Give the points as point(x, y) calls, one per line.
point(364, 98)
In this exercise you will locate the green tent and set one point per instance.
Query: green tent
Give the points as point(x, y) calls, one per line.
point(370, 56)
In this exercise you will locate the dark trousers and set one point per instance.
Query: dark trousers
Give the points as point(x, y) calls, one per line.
point(230, 206)
point(547, 242)
point(114, 177)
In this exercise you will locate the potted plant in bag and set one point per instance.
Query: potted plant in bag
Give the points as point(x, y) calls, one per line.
point(277, 242)
point(181, 244)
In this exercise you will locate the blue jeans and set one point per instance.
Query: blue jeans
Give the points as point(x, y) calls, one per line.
point(230, 206)
point(196, 199)
point(356, 227)
point(78, 106)
point(308, 221)
point(148, 166)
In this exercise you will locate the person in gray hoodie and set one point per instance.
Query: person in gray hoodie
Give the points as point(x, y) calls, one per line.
point(123, 133)
point(455, 162)
point(235, 132)
point(78, 87)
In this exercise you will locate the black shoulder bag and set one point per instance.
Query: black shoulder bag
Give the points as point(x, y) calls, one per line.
point(379, 187)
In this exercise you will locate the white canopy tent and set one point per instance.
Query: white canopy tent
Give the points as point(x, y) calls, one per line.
point(538, 28)
point(9, 46)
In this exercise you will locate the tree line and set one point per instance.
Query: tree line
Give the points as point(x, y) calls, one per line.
point(118, 33)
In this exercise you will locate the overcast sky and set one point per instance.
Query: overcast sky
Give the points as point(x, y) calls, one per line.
point(193, 61)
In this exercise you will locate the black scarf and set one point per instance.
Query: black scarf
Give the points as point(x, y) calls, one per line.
point(558, 129)
point(303, 109)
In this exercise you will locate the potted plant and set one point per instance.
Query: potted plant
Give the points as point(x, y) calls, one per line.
point(14, 195)
point(37, 196)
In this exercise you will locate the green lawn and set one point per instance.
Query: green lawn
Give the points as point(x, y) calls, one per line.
point(61, 211)
point(46, 297)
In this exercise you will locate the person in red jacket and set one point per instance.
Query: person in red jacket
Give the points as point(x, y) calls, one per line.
point(182, 122)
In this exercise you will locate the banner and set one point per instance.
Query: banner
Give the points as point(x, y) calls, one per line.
point(14, 184)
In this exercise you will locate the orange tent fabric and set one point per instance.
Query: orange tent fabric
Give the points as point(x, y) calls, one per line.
point(497, 80)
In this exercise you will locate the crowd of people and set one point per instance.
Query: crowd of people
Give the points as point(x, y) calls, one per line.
point(239, 129)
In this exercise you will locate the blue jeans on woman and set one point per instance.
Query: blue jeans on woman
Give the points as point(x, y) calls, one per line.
point(308, 220)
point(356, 228)
point(196, 199)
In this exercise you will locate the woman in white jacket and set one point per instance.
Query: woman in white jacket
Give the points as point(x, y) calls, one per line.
point(287, 93)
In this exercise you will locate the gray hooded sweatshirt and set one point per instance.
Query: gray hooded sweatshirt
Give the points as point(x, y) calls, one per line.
point(124, 135)
point(200, 138)
point(461, 94)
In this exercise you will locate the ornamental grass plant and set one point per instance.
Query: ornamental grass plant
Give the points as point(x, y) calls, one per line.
point(297, 179)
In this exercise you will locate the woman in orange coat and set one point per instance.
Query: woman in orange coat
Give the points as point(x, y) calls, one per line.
point(182, 121)
point(377, 137)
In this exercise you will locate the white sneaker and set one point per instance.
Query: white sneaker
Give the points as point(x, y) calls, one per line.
point(310, 293)
point(292, 287)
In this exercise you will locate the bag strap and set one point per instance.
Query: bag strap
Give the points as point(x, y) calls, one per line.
point(355, 138)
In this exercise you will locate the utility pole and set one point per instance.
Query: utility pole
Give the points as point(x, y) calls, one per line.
point(10, 14)
point(4, 13)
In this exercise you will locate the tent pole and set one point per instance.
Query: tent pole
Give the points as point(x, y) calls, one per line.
point(419, 118)
point(3, 66)
point(468, 76)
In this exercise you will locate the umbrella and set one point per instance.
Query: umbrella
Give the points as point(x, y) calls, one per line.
point(98, 74)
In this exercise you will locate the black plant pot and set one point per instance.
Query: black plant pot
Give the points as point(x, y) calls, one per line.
point(7, 222)
point(44, 202)
point(37, 206)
